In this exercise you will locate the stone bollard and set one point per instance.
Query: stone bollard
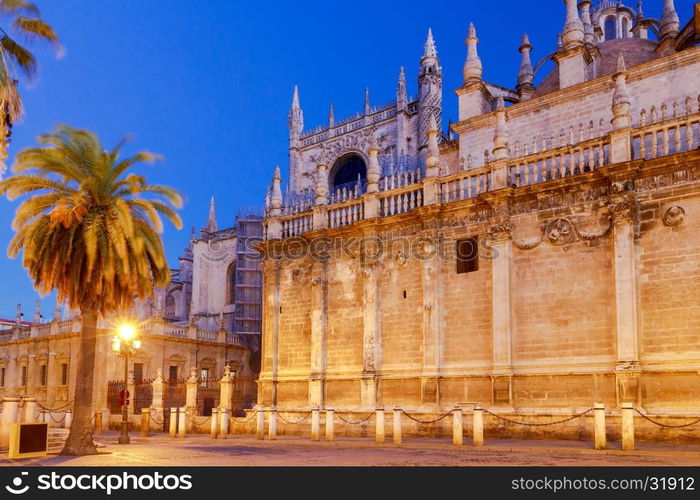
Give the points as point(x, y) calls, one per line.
point(379, 426)
point(272, 424)
point(214, 429)
point(224, 422)
point(396, 431)
point(145, 421)
point(98, 423)
point(181, 422)
point(478, 426)
point(330, 425)
point(173, 423)
point(68, 420)
point(600, 439)
point(8, 417)
point(457, 426)
point(316, 424)
point(28, 410)
point(627, 426)
point(260, 423)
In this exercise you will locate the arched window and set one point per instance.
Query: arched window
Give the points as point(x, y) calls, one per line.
point(231, 283)
point(347, 169)
point(170, 306)
point(625, 27)
point(610, 29)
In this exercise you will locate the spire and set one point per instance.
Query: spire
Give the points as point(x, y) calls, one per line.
point(367, 106)
point(573, 28)
point(211, 221)
point(473, 69)
point(640, 12)
point(588, 33)
point(429, 49)
point(526, 75)
point(296, 117)
point(669, 21)
point(621, 101)
point(401, 94)
point(500, 136)
point(331, 117)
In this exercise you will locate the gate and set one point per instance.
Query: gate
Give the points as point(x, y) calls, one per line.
point(114, 387)
point(174, 393)
point(143, 395)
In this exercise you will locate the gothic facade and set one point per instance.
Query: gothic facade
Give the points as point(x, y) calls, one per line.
point(545, 259)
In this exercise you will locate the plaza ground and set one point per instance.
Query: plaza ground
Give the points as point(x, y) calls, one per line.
point(238, 450)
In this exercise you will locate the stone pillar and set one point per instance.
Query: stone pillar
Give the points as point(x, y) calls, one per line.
point(7, 418)
point(627, 426)
point(191, 395)
point(621, 136)
point(315, 424)
point(260, 423)
point(28, 409)
point(51, 377)
point(173, 423)
point(68, 420)
point(181, 422)
point(330, 427)
point(225, 389)
point(371, 345)
point(271, 360)
point(319, 321)
point(379, 426)
point(223, 423)
point(500, 241)
point(321, 184)
point(600, 442)
point(622, 207)
point(98, 423)
point(157, 385)
point(478, 426)
point(396, 431)
point(145, 421)
point(432, 331)
point(272, 424)
point(457, 426)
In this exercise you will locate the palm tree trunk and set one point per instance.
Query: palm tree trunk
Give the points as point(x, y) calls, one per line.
point(79, 440)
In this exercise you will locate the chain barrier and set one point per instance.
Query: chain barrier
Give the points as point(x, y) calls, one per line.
point(150, 415)
point(54, 409)
point(193, 420)
point(544, 424)
point(426, 421)
point(252, 416)
point(681, 426)
point(357, 422)
point(59, 421)
point(279, 414)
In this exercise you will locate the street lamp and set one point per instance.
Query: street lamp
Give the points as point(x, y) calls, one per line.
point(125, 344)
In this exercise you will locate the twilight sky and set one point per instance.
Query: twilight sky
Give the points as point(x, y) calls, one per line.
point(208, 84)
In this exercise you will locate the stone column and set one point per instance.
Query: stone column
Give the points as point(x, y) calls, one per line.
point(225, 390)
point(622, 207)
point(273, 298)
point(157, 401)
point(319, 323)
point(7, 418)
point(432, 332)
point(191, 395)
point(51, 377)
point(500, 240)
point(621, 137)
point(370, 337)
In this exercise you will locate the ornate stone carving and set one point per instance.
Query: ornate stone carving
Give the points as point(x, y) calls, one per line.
point(560, 232)
point(358, 141)
point(673, 216)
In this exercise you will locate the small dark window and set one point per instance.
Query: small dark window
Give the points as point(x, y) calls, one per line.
point(42, 375)
point(138, 373)
point(404, 294)
point(23, 378)
point(2, 377)
point(173, 373)
point(64, 373)
point(467, 255)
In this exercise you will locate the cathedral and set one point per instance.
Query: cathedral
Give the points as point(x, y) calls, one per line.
point(539, 257)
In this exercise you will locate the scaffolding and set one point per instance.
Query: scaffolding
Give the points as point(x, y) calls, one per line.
point(247, 316)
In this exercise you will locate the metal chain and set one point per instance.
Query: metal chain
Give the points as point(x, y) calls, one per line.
point(252, 416)
point(57, 421)
point(193, 420)
point(357, 422)
point(54, 409)
point(528, 424)
point(150, 415)
point(279, 414)
point(426, 421)
point(666, 425)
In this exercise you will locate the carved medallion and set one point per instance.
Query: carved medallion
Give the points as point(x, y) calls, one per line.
point(673, 216)
point(560, 232)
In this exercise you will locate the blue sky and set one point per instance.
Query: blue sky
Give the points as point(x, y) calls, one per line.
point(208, 84)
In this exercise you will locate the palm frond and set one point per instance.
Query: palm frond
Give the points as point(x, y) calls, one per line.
point(33, 28)
point(24, 59)
point(15, 6)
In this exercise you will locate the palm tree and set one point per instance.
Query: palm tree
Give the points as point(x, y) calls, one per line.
point(88, 232)
point(24, 19)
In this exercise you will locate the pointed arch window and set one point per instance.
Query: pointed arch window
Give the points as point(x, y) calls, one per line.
point(610, 29)
point(231, 283)
point(170, 306)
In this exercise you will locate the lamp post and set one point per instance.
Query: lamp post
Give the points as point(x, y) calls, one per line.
point(125, 344)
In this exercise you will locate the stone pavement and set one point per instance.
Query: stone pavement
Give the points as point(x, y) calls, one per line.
point(200, 450)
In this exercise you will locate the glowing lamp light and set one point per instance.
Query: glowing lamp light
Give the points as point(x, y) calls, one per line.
point(136, 344)
point(127, 331)
point(116, 344)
